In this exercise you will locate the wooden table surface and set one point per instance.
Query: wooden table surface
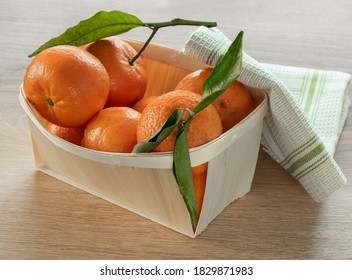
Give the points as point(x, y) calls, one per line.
point(43, 218)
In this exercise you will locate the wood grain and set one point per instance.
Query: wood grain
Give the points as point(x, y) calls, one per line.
point(43, 218)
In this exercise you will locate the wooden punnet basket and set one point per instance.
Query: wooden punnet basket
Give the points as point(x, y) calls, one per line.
point(144, 183)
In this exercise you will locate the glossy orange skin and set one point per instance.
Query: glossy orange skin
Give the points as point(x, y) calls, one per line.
point(70, 134)
point(113, 129)
point(204, 127)
point(66, 85)
point(199, 174)
point(233, 105)
point(127, 83)
point(141, 104)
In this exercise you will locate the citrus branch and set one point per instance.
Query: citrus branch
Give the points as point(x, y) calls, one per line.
point(132, 60)
point(157, 25)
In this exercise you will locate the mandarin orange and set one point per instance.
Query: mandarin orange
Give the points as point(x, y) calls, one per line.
point(204, 127)
point(66, 85)
point(128, 83)
point(233, 105)
point(70, 134)
point(199, 181)
point(141, 104)
point(113, 129)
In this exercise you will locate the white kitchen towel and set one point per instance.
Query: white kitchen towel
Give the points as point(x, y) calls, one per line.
point(308, 109)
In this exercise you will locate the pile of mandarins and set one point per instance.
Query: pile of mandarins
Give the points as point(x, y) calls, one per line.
point(92, 96)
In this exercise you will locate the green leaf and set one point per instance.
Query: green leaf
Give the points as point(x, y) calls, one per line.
point(101, 25)
point(223, 74)
point(183, 173)
point(164, 131)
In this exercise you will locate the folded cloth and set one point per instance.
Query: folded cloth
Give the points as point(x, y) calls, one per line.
point(308, 109)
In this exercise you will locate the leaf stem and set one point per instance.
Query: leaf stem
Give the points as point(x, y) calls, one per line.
point(180, 21)
point(156, 25)
point(133, 59)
